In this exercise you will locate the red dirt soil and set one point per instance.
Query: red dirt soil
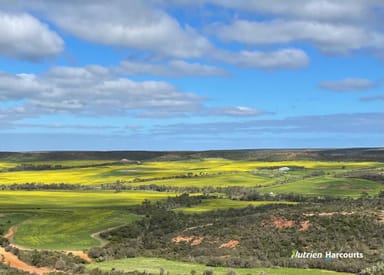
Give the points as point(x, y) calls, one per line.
point(304, 225)
point(193, 241)
point(180, 239)
point(282, 223)
point(230, 244)
point(197, 241)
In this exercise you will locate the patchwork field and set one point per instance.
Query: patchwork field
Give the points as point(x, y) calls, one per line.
point(303, 177)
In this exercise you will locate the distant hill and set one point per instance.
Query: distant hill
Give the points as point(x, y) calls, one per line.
point(353, 154)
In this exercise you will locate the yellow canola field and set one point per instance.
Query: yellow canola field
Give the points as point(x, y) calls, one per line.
point(155, 170)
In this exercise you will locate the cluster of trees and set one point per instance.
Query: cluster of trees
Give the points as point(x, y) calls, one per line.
point(377, 269)
point(47, 166)
point(7, 270)
point(53, 259)
point(368, 174)
point(42, 186)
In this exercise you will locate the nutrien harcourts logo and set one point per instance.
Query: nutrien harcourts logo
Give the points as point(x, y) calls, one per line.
point(328, 255)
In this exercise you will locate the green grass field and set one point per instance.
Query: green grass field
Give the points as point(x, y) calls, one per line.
point(68, 229)
point(65, 220)
point(216, 204)
point(327, 186)
point(7, 220)
point(153, 265)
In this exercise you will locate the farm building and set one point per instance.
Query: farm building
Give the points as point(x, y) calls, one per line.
point(284, 169)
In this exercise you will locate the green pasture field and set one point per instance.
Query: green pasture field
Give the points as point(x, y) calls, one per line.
point(327, 186)
point(153, 265)
point(7, 220)
point(66, 219)
point(216, 204)
point(68, 229)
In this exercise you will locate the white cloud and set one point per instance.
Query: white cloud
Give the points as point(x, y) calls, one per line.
point(90, 91)
point(173, 68)
point(146, 28)
point(313, 9)
point(329, 37)
point(279, 59)
point(348, 84)
point(131, 24)
point(95, 91)
point(25, 37)
point(19, 86)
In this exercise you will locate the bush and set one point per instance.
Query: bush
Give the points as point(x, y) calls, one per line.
point(208, 272)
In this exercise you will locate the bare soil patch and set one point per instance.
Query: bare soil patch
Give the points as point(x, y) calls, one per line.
point(304, 225)
point(192, 240)
point(282, 223)
point(230, 244)
point(197, 241)
point(179, 239)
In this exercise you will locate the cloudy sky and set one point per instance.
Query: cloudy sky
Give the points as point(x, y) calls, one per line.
point(191, 74)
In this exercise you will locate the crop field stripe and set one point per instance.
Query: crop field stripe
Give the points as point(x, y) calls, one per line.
point(215, 204)
point(75, 199)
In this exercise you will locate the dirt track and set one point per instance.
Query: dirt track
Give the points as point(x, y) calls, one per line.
point(10, 233)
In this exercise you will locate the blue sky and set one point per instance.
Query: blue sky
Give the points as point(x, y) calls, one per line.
point(191, 74)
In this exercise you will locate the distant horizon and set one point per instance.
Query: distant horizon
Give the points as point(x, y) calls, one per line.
point(205, 150)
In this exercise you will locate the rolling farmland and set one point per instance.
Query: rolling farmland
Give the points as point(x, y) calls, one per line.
point(88, 204)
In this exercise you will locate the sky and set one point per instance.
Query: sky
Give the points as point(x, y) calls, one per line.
point(191, 74)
